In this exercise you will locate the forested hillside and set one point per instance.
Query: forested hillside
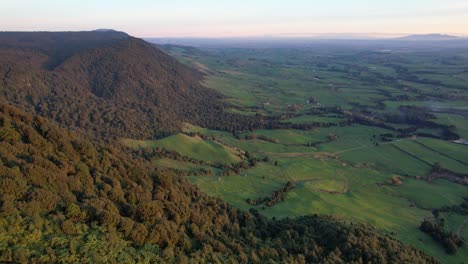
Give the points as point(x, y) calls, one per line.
point(109, 85)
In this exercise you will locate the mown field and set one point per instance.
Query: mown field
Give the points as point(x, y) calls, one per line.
point(349, 170)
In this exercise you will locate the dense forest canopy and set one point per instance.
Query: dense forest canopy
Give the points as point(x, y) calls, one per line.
point(108, 84)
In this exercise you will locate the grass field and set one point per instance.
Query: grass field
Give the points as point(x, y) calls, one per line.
point(430, 156)
point(193, 147)
point(306, 119)
point(180, 165)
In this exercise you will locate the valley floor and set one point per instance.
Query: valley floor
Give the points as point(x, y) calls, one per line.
point(360, 171)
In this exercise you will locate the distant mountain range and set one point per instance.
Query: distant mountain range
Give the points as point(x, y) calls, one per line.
point(426, 41)
point(104, 30)
point(429, 37)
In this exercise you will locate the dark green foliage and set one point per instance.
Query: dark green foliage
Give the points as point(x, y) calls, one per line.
point(459, 209)
point(58, 46)
point(276, 196)
point(261, 137)
point(449, 240)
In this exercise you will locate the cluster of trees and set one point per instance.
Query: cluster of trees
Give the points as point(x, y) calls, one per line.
point(193, 172)
point(275, 197)
point(249, 161)
point(459, 209)
point(330, 138)
point(386, 137)
point(449, 240)
point(417, 117)
point(438, 171)
point(149, 153)
point(309, 126)
point(420, 117)
point(64, 198)
point(260, 137)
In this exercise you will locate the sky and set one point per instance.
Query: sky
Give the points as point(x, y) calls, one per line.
point(239, 18)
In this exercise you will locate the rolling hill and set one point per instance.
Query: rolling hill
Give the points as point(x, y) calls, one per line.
point(429, 37)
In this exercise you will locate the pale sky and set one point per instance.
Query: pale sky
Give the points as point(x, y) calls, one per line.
point(237, 18)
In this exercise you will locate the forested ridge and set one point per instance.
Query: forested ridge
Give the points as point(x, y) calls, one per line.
point(112, 85)
point(67, 198)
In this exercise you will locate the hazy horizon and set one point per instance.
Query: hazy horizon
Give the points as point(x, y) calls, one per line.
point(215, 19)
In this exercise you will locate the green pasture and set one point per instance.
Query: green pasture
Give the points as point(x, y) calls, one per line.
point(193, 147)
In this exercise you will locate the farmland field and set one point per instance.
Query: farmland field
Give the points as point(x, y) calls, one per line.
point(366, 135)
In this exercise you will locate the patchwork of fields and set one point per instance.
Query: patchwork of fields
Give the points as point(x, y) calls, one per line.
point(385, 157)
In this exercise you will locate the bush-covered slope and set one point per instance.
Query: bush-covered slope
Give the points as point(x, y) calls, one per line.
point(58, 46)
point(109, 84)
point(64, 199)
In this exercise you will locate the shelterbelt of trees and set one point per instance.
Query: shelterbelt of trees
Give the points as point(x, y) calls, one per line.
point(70, 194)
